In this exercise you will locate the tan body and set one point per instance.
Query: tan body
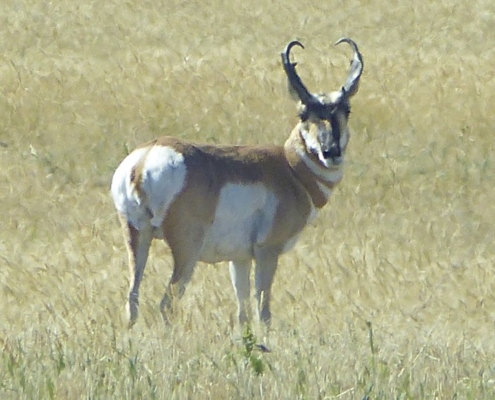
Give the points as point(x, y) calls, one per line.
point(225, 203)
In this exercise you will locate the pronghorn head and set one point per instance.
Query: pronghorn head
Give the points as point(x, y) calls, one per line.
point(323, 117)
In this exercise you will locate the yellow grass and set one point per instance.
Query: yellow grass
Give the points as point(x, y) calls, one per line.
point(389, 294)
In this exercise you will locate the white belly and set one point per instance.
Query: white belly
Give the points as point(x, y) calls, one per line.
point(244, 217)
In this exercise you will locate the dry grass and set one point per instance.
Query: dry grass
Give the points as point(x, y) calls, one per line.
point(406, 243)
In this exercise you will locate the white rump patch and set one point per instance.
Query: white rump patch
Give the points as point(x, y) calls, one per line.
point(163, 177)
point(122, 192)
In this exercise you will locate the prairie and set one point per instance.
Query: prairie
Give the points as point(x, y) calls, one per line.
point(390, 293)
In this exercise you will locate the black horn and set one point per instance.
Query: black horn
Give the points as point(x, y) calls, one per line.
point(295, 83)
point(352, 83)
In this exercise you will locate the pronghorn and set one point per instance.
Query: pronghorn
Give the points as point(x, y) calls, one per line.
point(234, 203)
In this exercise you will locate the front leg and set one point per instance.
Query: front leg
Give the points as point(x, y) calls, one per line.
point(266, 265)
point(239, 275)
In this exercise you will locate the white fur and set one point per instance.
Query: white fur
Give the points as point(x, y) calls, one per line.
point(123, 193)
point(310, 142)
point(239, 275)
point(163, 177)
point(244, 217)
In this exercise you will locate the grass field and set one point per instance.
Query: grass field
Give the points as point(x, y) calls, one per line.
point(390, 293)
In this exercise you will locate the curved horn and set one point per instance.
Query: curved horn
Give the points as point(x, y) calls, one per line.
point(295, 82)
point(352, 83)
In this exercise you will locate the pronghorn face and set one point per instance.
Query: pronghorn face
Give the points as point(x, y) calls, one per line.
point(323, 127)
point(324, 117)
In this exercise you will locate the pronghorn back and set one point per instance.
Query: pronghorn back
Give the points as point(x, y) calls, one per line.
point(233, 203)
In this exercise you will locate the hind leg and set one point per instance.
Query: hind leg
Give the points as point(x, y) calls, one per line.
point(182, 273)
point(186, 245)
point(138, 244)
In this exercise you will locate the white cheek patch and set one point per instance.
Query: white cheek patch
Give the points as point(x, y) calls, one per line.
point(311, 142)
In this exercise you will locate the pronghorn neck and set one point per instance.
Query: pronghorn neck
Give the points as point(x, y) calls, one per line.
point(317, 179)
